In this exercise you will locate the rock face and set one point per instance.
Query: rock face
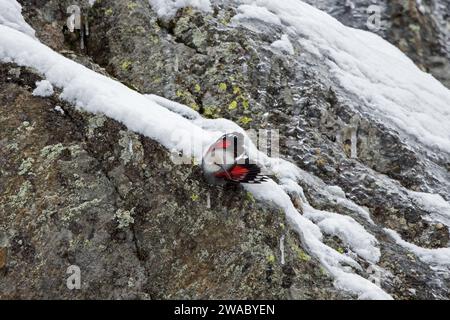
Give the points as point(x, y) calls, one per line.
point(80, 189)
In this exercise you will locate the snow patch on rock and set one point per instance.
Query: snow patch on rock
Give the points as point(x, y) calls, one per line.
point(251, 12)
point(167, 9)
point(11, 16)
point(434, 203)
point(284, 45)
point(348, 230)
point(43, 89)
point(439, 258)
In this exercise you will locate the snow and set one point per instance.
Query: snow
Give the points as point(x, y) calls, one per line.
point(336, 191)
point(10, 15)
point(333, 193)
point(98, 94)
point(43, 89)
point(391, 87)
point(293, 189)
point(249, 12)
point(176, 107)
point(434, 203)
point(167, 9)
point(348, 230)
point(59, 109)
point(365, 289)
point(439, 258)
point(284, 45)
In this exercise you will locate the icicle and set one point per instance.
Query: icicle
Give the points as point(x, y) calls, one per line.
point(354, 144)
point(282, 249)
point(208, 200)
point(130, 146)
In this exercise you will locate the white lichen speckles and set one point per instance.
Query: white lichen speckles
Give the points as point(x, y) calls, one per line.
point(95, 122)
point(19, 199)
point(45, 215)
point(124, 218)
point(13, 146)
point(52, 152)
point(26, 127)
point(25, 166)
point(75, 211)
point(132, 150)
point(26, 186)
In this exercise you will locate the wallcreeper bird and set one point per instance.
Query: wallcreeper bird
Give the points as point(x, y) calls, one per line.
point(226, 162)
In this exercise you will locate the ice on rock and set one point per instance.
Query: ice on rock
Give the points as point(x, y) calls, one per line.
point(283, 45)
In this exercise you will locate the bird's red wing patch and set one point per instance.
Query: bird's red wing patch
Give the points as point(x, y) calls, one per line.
point(238, 172)
point(221, 174)
point(222, 144)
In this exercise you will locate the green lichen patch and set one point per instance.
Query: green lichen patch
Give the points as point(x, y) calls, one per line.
point(222, 87)
point(233, 105)
point(249, 196)
point(301, 255)
point(271, 259)
point(108, 12)
point(125, 65)
point(245, 120)
point(211, 112)
point(132, 5)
